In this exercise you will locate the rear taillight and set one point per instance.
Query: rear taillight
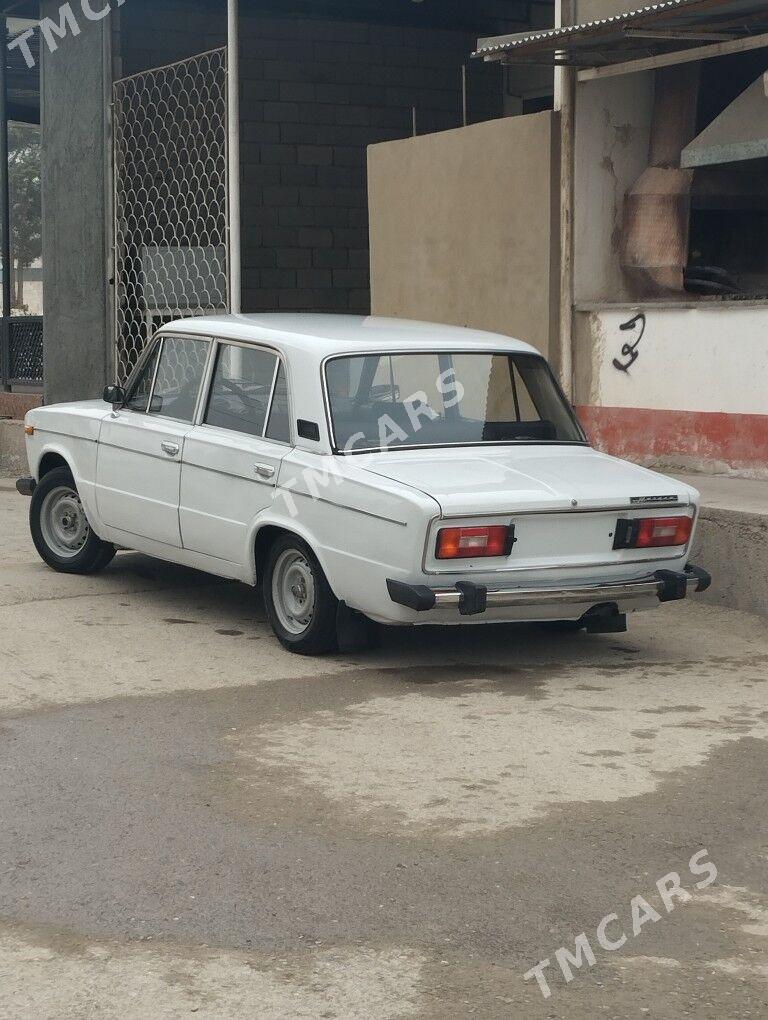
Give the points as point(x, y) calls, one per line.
point(653, 532)
point(471, 543)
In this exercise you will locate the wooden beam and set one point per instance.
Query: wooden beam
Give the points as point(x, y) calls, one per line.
point(679, 35)
point(754, 42)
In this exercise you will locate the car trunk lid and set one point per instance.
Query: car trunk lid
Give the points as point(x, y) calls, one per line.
point(564, 502)
point(472, 481)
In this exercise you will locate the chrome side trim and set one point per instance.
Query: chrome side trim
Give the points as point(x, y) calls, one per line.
point(64, 435)
point(340, 506)
point(227, 474)
point(142, 453)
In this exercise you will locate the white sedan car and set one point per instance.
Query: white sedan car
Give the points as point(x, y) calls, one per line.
point(359, 469)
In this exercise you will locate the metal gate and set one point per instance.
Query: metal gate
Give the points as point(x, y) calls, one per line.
point(170, 199)
point(21, 350)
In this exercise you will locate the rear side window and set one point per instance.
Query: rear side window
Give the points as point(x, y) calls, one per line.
point(179, 377)
point(279, 427)
point(241, 390)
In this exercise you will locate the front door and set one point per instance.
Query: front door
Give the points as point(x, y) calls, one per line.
point(138, 471)
point(232, 460)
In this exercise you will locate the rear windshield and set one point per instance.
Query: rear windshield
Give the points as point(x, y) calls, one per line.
point(386, 401)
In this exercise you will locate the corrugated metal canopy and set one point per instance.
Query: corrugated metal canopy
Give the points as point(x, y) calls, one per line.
point(665, 27)
point(740, 132)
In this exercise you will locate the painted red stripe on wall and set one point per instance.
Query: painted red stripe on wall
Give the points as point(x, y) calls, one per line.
point(638, 433)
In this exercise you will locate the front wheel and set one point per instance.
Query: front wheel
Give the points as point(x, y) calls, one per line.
point(300, 604)
point(60, 528)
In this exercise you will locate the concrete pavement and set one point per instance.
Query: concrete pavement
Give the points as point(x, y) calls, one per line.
point(196, 823)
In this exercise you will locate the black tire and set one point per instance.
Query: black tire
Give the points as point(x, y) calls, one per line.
point(317, 635)
point(88, 554)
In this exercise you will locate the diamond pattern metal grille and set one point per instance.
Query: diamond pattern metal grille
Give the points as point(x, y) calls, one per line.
point(170, 196)
point(25, 348)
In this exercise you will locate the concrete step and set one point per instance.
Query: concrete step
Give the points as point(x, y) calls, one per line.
point(732, 540)
point(13, 455)
point(16, 405)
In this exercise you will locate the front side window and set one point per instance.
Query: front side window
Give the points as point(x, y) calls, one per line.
point(384, 401)
point(138, 398)
point(242, 389)
point(179, 376)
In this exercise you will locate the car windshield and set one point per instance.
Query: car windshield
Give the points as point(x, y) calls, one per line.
point(386, 401)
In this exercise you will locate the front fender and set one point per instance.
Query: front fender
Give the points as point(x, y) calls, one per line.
point(80, 457)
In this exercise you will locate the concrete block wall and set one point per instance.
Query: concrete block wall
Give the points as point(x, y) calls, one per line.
point(314, 94)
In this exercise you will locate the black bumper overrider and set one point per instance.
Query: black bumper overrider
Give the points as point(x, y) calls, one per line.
point(26, 486)
point(474, 599)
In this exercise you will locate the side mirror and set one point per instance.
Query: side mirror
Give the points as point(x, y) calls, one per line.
point(114, 395)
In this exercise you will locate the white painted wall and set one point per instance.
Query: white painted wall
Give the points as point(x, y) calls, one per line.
point(706, 357)
point(713, 358)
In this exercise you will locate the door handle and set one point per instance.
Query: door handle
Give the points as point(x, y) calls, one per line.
point(170, 448)
point(264, 470)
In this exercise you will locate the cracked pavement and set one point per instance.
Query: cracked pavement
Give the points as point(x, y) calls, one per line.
point(197, 823)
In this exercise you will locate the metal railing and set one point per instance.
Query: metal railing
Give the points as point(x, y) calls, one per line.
point(170, 199)
point(21, 350)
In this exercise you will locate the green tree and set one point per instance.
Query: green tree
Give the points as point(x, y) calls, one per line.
point(26, 210)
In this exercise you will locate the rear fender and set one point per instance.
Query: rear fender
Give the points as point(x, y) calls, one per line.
point(293, 527)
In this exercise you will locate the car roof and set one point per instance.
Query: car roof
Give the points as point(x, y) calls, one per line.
point(323, 335)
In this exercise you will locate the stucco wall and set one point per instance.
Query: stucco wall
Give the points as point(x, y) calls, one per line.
point(77, 332)
point(612, 139)
point(461, 227)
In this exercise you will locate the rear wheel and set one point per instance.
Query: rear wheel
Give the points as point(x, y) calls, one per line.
point(300, 604)
point(60, 528)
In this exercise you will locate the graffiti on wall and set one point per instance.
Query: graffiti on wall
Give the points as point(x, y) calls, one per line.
point(630, 351)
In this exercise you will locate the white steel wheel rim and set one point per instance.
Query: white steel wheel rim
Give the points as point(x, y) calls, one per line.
point(293, 591)
point(63, 522)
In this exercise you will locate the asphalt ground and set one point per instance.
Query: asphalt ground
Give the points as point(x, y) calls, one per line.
point(193, 821)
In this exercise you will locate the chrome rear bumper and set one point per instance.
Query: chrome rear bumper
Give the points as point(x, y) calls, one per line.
point(473, 599)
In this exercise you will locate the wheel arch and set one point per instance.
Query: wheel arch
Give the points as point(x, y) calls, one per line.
point(268, 531)
point(49, 461)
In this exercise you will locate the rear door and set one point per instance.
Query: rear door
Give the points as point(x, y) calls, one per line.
point(138, 470)
point(232, 459)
